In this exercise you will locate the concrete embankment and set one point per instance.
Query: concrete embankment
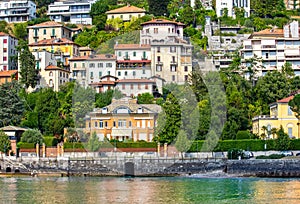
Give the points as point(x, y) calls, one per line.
point(151, 167)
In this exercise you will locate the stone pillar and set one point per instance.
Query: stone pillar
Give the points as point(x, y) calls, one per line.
point(62, 150)
point(58, 150)
point(44, 150)
point(158, 149)
point(165, 149)
point(37, 148)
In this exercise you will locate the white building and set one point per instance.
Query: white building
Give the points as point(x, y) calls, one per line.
point(8, 45)
point(133, 61)
point(171, 53)
point(17, 11)
point(126, 13)
point(135, 87)
point(222, 5)
point(74, 11)
point(89, 69)
point(275, 47)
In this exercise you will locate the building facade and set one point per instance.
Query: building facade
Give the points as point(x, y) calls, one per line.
point(135, 87)
point(75, 11)
point(8, 45)
point(228, 6)
point(8, 76)
point(280, 115)
point(56, 76)
point(133, 61)
point(126, 13)
point(171, 53)
point(122, 120)
point(17, 11)
point(275, 47)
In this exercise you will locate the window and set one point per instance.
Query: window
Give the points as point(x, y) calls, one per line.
point(173, 68)
point(108, 72)
point(290, 112)
point(131, 86)
point(185, 68)
point(125, 73)
point(130, 16)
point(290, 132)
point(96, 124)
point(101, 124)
point(173, 59)
point(134, 54)
point(158, 68)
point(129, 123)
point(173, 77)
point(75, 74)
point(75, 65)
point(123, 86)
point(92, 65)
point(45, 32)
point(155, 30)
point(119, 73)
point(158, 58)
point(105, 124)
point(133, 73)
point(108, 64)
point(114, 123)
point(144, 71)
point(121, 123)
point(146, 86)
point(4, 40)
point(60, 74)
point(158, 49)
point(4, 58)
point(100, 74)
point(172, 49)
point(83, 65)
point(92, 74)
point(50, 82)
point(100, 65)
point(139, 86)
point(4, 49)
point(120, 54)
point(186, 77)
point(121, 16)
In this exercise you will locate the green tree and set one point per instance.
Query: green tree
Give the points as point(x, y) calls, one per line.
point(28, 73)
point(295, 107)
point(20, 30)
point(3, 26)
point(93, 144)
point(283, 141)
point(4, 142)
point(158, 7)
point(182, 142)
point(12, 106)
point(145, 98)
point(32, 136)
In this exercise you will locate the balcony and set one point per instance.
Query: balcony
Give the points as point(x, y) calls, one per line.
point(248, 47)
point(144, 58)
point(268, 47)
point(173, 62)
point(126, 58)
point(159, 63)
point(265, 117)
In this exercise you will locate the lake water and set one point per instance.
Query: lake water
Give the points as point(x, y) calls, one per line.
point(148, 190)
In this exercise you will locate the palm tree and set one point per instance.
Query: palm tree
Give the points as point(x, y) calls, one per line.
point(264, 129)
point(273, 132)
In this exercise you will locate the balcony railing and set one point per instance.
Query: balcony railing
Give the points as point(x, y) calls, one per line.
point(265, 117)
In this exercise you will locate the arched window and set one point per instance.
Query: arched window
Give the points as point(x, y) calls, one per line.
point(50, 82)
point(50, 74)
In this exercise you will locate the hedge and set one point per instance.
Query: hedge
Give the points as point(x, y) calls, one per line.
point(250, 144)
point(50, 141)
point(136, 145)
point(25, 145)
point(75, 145)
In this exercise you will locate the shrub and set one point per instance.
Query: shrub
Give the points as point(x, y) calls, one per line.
point(272, 156)
point(25, 145)
point(75, 145)
point(243, 134)
point(136, 145)
point(32, 136)
point(50, 141)
point(235, 153)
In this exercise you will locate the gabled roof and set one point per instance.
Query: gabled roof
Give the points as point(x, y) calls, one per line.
point(8, 73)
point(127, 9)
point(54, 41)
point(274, 32)
point(12, 128)
point(53, 67)
point(285, 100)
point(6, 34)
point(132, 46)
point(162, 21)
point(47, 24)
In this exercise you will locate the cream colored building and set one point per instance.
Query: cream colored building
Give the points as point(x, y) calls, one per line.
point(126, 13)
point(48, 30)
point(280, 114)
point(124, 119)
point(56, 76)
point(171, 53)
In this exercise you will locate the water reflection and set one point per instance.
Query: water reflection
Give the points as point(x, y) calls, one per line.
point(148, 190)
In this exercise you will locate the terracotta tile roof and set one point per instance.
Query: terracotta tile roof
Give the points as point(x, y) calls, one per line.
point(57, 41)
point(94, 57)
point(47, 24)
point(135, 81)
point(101, 83)
point(53, 67)
point(285, 100)
point(5, 34)
point(8, 73)
point(127, 9)
point(132, 46)
point(275, 32)
point(85, 48)
point(162, 21)
point(12, 128)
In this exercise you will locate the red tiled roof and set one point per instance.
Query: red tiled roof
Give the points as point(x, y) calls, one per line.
point(275, 32)
point(132, 46)
point(58, 41)
point(101, 83)
point(6, 34)
point(94, 57)
point(8, 73)
point(162, 21)
point(135, 81)
point(285, 100)
point(127, 9)
point(53, 67)
point(47, 24)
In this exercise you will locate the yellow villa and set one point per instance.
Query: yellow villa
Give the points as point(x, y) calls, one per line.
point(280, 114)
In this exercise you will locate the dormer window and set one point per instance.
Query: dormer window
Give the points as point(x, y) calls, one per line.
point(140, 110)
point(104, 110)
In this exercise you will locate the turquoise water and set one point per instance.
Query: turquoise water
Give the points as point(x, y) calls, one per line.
point(149, 190)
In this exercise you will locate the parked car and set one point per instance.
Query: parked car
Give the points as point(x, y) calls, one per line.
point(298, 154)
point(248, 154)
point(287, 153)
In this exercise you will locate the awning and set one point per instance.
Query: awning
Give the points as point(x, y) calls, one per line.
point(121, 132)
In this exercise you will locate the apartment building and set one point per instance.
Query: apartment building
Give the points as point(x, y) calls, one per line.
point(274, 47)
point(171, 53)
point(74, 11)
point(48, 30)
point(228, 6)
point(135, 87)
point(126, 13)
point(133, 61)
point(124, 119)
point(89, 69)
point(8, 45)
point(17, 11)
